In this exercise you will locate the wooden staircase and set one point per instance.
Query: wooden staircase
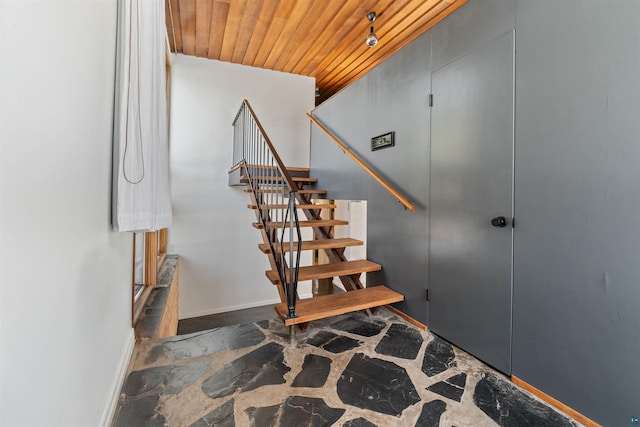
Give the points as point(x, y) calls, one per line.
point(277, 195)
point(357, 296)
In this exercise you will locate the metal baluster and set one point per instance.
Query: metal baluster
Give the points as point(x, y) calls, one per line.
point(245, 135)
point(276, 211)
point(270, 198)
point(278, 217)
point(259, 170)
point(252, 145)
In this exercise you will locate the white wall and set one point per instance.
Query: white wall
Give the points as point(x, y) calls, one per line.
point(354, 211)
point(221, 267)
point(65, 278)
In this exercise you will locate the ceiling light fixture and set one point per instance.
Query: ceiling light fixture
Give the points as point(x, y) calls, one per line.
point(372, 39)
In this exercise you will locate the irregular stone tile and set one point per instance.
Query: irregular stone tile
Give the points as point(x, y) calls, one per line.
point(377, 385)
point(266, 416)
point(139, 412)
point(400, 341)
point(320, 338)
point(164, 379)
point(222, 416)
point(284, 336)
point(277, 328)
point(332, 342)
point(459, 380)
point(341, 344)
point(359, 422)
point(431, 413)
point(262, 366)
point(438, 357)
point(315, 371)
point(142, 390)
point(360, 326)
point(295, 411)
point(507, 405)
point(264, 324)
point(209, 342)
point(451, 388)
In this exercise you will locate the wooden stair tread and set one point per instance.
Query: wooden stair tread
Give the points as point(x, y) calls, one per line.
point(309, 245)
point(324, 271)
point(310, 223)
point(279, 178)
point(318, 206)
point(279, 190)
point(336, 304)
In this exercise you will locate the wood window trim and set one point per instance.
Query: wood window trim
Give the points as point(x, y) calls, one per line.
point(155, 252)
point(161, 253)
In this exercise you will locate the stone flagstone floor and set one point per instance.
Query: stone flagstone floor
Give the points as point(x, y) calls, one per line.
point(349, 371)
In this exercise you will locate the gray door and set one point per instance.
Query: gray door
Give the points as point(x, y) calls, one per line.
point(471, 184)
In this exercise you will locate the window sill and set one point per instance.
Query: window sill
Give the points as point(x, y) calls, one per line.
point(159, 318)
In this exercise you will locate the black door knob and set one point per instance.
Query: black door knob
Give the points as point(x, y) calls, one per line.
point(499, 221)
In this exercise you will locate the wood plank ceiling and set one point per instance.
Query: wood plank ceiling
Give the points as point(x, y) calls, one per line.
point(324, 39)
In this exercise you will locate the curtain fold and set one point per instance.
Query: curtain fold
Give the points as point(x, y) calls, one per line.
point(140, 191)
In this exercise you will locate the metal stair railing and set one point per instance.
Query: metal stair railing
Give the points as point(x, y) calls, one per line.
point(273, 191)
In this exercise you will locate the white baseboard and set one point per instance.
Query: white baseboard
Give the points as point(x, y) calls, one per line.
point(110, 409)
point(219, 310)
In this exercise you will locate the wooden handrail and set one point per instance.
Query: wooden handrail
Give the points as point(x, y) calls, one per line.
point(283, 169)
point(407, 204)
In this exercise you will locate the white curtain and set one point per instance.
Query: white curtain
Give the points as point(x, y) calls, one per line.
point(140, 193)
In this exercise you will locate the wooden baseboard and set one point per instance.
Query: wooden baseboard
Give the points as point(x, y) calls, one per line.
point(406, 317)
point(555, 403)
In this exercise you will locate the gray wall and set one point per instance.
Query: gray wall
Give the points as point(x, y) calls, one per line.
point(396, 237)
point(577, 240)
point(394, 97)
point(576, 273)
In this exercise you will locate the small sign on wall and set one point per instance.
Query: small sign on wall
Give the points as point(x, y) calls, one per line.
point(383, 141)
